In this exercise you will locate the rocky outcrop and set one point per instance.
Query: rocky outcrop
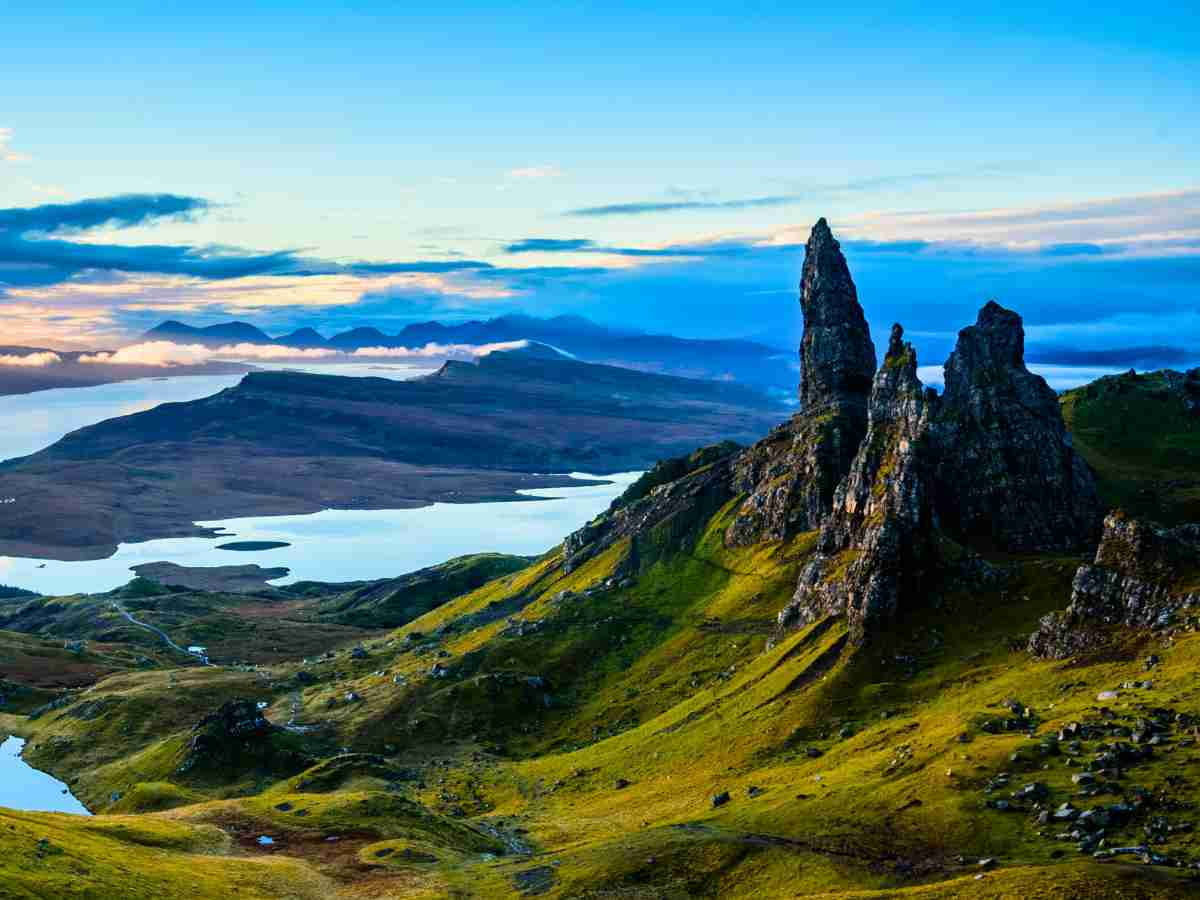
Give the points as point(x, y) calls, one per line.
point(237, 736)
point(1007, 475)
point(1143, 576)
point(790, 477)
point(876, 545)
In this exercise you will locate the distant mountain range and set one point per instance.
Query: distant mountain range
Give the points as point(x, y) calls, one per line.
point(749, 362)
point(286, 442)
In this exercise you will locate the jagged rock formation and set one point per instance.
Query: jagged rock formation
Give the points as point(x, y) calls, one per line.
point(1007, 474)
point(876, 543)
point(884, 468)
point(791, 476)
point(1142, 577)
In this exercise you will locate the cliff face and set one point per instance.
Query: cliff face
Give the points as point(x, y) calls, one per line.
point(1007, 474)
point(1143, 576)
point(790, 478)
point(876, 545)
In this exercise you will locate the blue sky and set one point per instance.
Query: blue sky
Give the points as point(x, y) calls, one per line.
point(378, 165)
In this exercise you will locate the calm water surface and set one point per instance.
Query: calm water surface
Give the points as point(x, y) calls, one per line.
point(344, 545)
point(334, 545)
point(24, 787)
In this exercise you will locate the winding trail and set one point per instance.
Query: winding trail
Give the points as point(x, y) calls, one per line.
point(162, 634)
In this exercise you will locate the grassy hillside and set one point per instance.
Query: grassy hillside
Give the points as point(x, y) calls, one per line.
point(582, 737)
point(1141, 434)
point(635, 725)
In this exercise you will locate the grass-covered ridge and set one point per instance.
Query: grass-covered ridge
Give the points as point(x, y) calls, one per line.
point(633, 723)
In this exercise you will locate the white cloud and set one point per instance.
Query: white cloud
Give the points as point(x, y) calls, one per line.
point(31, 360)
point(7, 155)
point(548, 171)
point(440, 351)
point(163, 354)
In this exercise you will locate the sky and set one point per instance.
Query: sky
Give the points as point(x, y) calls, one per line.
point(377, 164)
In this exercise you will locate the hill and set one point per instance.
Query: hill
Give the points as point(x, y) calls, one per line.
point(802, 668)
point(285, 442)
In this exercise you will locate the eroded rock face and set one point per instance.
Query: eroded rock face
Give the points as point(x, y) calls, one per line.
point(790, 476)
point(1142, 577)
point(876, 546)
point(1007, 474)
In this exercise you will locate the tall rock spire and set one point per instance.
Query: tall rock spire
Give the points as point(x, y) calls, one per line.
point(875, 546)
point(837, 357)
point(790, 476)
point(1007, 473)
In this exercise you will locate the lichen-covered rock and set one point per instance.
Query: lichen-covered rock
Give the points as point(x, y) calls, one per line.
point(876, 545)
point(1142, 577)
point(790, 476)
point(1007, 474)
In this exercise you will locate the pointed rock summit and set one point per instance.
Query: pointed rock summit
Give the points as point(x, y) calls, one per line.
point(837, 357)
point(1007, 473)
point(791, 476)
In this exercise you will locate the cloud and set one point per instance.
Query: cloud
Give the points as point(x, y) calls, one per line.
point(7, 155)
point(643, 207)
point(550, 171)
point(31, 360)
point(122, 211)
point(164, 354)
point(1152, 356)
point(440, 351)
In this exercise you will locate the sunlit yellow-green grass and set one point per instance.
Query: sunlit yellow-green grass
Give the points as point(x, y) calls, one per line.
point(140, 858)
point(850, 771)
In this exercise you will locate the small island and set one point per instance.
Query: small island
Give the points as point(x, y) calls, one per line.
point(252, 546)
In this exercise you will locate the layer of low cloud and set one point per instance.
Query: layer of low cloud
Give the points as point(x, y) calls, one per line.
point(167, 354)
point(37, 360)
point(439, 351)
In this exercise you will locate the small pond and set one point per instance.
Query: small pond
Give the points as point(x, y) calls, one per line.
point(24, 787)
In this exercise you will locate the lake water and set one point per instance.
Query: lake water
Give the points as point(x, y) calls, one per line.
point(344, 545)
point(24, 787)
point(334, 545)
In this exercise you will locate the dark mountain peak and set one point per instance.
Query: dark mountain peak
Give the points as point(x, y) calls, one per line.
point(837, 357)
point(302, 338)
point(362, 336)
point(222, 333)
